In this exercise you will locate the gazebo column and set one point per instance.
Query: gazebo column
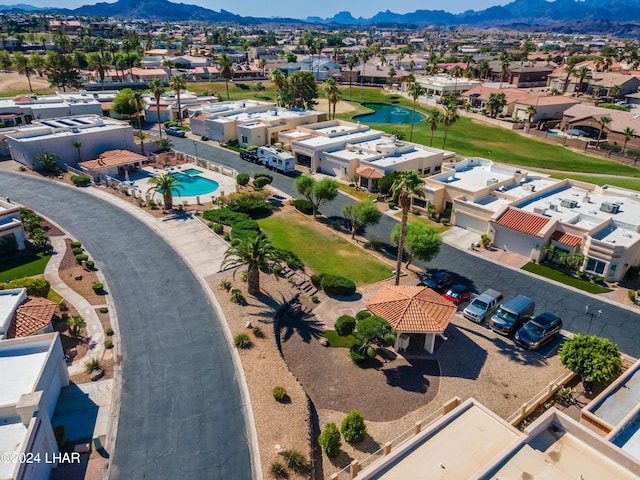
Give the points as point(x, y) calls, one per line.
point(429, 342)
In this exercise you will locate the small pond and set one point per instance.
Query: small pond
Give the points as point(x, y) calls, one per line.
point(387, 113)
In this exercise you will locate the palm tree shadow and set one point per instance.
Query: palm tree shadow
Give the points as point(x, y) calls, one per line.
point(272, 307)
point(307, 327)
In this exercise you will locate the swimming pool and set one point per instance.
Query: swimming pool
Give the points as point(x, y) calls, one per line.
point(194, 186)
point(191, 172)
point(387, 113)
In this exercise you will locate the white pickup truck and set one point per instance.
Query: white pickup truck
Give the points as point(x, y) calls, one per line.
point(483, 306)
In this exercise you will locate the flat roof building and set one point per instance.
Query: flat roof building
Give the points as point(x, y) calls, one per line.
point(11, 227)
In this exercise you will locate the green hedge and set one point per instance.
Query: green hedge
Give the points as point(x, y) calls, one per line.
point(345, 325)
point(260, 182)
point(363, 314)
point(36, 287)
point(75, 245)
point(337, 285)
point(252, 207)
point(303, 205)
point(82, 257)
point(218, 228)
point(242, 179)
point(225, 216)
point(81, 180)
point(245, 228)
point(263, 175)
point(290, 258)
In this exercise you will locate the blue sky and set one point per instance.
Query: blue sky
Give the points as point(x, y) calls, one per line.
point(302, 9)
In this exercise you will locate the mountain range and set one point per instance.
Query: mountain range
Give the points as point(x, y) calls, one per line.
point(602, 16)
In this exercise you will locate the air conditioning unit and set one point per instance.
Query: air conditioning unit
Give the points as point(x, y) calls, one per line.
point(610, 207)
point(568, 203)
point(553, 207)
point(539, 210)
point(492, 181)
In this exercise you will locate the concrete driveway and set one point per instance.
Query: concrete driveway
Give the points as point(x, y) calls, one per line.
point(181, 411)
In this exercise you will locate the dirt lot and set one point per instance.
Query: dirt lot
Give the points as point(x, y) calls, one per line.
point(12, 82)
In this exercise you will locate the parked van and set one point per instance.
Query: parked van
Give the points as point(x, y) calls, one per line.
point(482, 306)
point(512, 315)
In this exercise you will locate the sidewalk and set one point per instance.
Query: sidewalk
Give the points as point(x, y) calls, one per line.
point(95, 333)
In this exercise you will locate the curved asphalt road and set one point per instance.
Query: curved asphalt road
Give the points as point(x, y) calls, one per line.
point(621, 325)
point(181, 411)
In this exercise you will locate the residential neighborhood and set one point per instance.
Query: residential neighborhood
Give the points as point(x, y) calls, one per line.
point(308, 249)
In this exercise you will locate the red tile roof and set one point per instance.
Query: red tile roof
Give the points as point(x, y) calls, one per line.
point(412, 309)
point(31, 317)
point(524, 222)
point(113, 158)
point(566, 238)
point(369, 172)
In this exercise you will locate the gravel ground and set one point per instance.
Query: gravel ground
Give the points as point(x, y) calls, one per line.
point(286, 423)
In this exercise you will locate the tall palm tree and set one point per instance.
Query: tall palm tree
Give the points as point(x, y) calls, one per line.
point(157, 90)
point(167, 185)
point(278, 79)
point(256, 253)
point(483, 68)
point(415, 90)
point(225, 64)
point(392, 75)
point(352, 61)
point(333, 93)
point(78, 145)
point(531, 111)
point(628, 135)
point(138, 104)
point(407, 185)
point(23, 67)
point(603, 121)
point(570, 70)
point(364, 58)
point(615, 91)
point(449, 118)
point(456, 73)
point(178, 83)
point(434, 117)
point(582, 74)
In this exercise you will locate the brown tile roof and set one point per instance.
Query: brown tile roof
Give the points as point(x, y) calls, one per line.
point(566, 238)
point(524, 222)
point(31, 317)
point(482, 93)
point(412, 309)
point(369, 172)
point(113, 158)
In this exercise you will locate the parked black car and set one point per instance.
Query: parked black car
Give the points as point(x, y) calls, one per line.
point(249, 155)
point(539, 330)
point(439, 281)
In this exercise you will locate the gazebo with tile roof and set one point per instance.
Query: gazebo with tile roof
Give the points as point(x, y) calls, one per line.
point(413, 311)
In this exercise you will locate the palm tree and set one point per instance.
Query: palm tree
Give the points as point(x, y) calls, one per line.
point(48, 161)
point(257, 254)
point(263, 65)
point(504, 70)
point(434, 117)
point(483, 68)
point(603, 121)
point(615, 91)
point(351, 63)
point(449, 118)
point(225, 64)
point(408, 184)
point(531, 111)
point(178, 83)
point(333, 93)
point(78, 145)
point(456, 73)
point(76, 324)
point(138, 104)
point(165, 144)
point(570, 70)
point(628, 135)
point(582, 74)
point(278, 79)
point(415, 90)
point(157, 90)
point(23, 67)
point(392, 75)
point(364, 57)
point(166, 184)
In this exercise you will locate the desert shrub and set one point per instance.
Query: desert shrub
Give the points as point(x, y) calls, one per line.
point(242, 340)
point(329, 440)
point(237, 296)
point(90, 264)
point(353, 428)
point(633, 153)
point(263, 175)
point(314, 299)
point(485, 240)
point(109, 331)
point(218, 228)
point(108, 344)
point(295, 460)
point(151, 204)
point(225, 216)
point(345, 325)
point(98, 287)
point(278, 470)
point(632, 295)
point(76, 251)
point(375, 246)
point(250, 206)
point(225, 285)
point(81, 257)
point(204, 138)
point(92, 365)
point(242, 179)
point(260, 182)
point(363, 314)
point(81, 180)
point(392, 205)
point(103, 310)
point(75, 245)
point(257, 331)
point(303, 205)
point(357, 355)
point(611, 147)
point(36, 287)
point(279, 393)
point(337, 285)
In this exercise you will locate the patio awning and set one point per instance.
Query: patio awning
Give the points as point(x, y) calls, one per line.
point(369, 172)
point(113, 158)
point(412, 309)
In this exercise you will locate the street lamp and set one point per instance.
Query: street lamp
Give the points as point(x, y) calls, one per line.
point(588, 310)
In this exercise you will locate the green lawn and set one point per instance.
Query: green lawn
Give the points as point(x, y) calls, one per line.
point(23, 266)
point(561, 277)
point(323, 250)
point(54, 296)
point(337, 341)
point(362, 195)
point(438, 227)
point(630, 183)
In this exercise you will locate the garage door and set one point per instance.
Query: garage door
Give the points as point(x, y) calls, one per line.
point(471, 223)
point(515, 243)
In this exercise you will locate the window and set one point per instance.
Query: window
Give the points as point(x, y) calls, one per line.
point(245, 139)
point(437, 169)
point(595, 266)
point(427, 170)
point(612, 269)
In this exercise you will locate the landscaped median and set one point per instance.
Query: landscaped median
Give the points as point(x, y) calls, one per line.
point(565, 278)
